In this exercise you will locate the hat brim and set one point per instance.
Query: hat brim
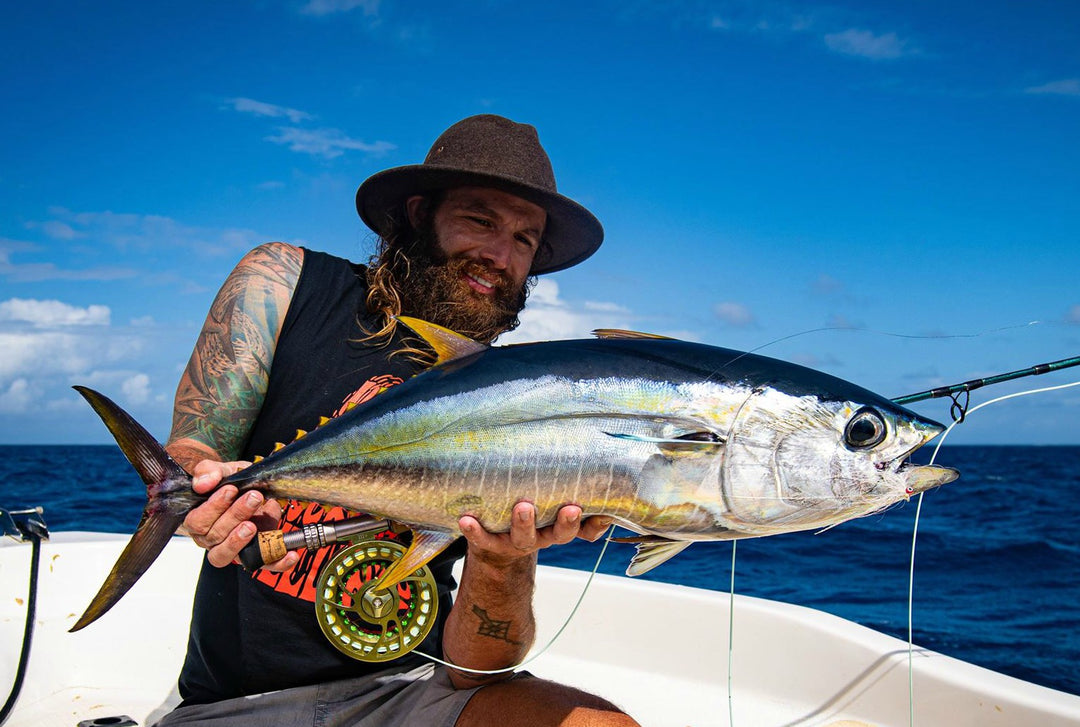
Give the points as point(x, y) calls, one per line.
point(572, 232)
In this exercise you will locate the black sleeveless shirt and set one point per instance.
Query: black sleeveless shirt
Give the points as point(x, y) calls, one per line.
point(257, 632)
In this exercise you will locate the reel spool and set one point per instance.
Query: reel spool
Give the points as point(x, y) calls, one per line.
point(368, 623)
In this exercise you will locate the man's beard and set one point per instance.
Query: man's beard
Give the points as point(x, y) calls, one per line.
point(435, 290)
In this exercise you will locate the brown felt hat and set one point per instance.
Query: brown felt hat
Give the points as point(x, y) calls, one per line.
point(488, 151)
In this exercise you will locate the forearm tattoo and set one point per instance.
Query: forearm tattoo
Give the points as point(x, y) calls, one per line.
point(223, 387)
point(495, 629)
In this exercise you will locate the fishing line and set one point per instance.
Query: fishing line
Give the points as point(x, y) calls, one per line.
point(551, 642)
point(889, 334)
point(731, 638)
point(915, 530)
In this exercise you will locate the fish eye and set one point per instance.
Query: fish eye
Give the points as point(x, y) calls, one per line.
point(865, 429)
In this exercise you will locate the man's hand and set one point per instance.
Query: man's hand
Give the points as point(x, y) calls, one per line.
point(524, 539)
point(225, 523)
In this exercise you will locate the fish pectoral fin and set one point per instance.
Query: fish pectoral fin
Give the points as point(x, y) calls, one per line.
point(689, 442)
point(426, 545)
point(622, 333)
point(448, 345)
point(649, 555)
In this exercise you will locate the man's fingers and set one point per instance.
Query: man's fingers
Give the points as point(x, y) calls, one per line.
point(594, 527)
point(567, 524)
point(280, 566)
point(523, 533)
point(209, 525)
point(201, 519)
point(228, 549)
point(208, 473)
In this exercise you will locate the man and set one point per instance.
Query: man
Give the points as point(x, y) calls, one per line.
point(294, 335)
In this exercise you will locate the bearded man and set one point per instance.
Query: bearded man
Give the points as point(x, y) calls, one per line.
point(294, 335)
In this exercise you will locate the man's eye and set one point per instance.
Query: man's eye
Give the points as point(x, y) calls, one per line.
point(527, 241)
point(480, 221)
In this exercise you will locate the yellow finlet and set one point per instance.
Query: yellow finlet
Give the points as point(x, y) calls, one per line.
point(448, 344)
point(300, 434)
point(278, 446)
point(625, 334)
point(258, 458)
point(323, 420)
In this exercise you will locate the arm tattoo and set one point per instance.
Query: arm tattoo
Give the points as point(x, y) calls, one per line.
point(223, 387)
point(495, 629)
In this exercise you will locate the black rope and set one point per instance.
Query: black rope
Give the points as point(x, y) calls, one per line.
point(28, 629)
point(958, 411)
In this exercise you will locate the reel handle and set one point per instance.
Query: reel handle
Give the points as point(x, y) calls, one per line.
point(271, 545)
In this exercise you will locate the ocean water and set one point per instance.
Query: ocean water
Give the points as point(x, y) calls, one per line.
point(997, 563)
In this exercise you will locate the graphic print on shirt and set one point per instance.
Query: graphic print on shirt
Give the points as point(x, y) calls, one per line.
point(299, 582)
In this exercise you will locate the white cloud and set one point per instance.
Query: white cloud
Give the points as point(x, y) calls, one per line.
point(839, 320)
point(260, 108)
point(827, 285)
point(36, 353)
point(736, 315)
point(549, 318)
point(866, 44)
point(45, 344)
point(33, 272)
point(18, 397)
point(36, 366)
point(329, 7)
point(327, 143)
point(59, 230)
point(146, 232)
point(52, 313)
point(1065, 87)
point(136, 389)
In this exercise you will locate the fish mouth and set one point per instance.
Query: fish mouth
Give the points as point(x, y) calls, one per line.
point(920, 478)
point(923, 477)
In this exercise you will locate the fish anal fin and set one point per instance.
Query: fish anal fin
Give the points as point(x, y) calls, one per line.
point(651, 554)
point(448, 345)
point(641, 539)
point(426, 545)
point(621, 333)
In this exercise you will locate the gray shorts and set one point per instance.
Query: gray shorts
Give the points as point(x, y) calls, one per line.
point(422, 696)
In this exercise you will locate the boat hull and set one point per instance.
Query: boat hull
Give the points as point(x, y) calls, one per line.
point(790, 665)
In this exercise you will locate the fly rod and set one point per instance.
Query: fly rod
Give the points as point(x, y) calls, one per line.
point(979, 383)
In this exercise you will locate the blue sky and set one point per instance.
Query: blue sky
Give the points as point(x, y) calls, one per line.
point(888, 192)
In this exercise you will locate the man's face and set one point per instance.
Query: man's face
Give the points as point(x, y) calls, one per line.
point(500, 231)
point(483, 243)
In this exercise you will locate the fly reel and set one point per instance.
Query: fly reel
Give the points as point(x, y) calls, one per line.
point(364, 621)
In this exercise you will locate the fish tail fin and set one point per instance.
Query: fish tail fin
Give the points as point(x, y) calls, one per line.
point(169, 498)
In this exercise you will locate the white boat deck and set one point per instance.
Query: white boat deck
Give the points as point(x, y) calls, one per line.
point(660, 651)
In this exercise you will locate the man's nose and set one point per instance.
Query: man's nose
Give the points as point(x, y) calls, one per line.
point(496, 251)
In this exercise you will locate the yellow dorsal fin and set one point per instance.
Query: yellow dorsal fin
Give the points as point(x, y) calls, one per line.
point(448, 345)
point(622, 333)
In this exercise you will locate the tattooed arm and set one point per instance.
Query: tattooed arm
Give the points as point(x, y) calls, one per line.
point(223, 388)
point(491, 625)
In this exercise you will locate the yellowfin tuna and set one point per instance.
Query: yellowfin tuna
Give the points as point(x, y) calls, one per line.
point(676, 441)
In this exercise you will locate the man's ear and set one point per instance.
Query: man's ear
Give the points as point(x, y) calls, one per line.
point(416, 207)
